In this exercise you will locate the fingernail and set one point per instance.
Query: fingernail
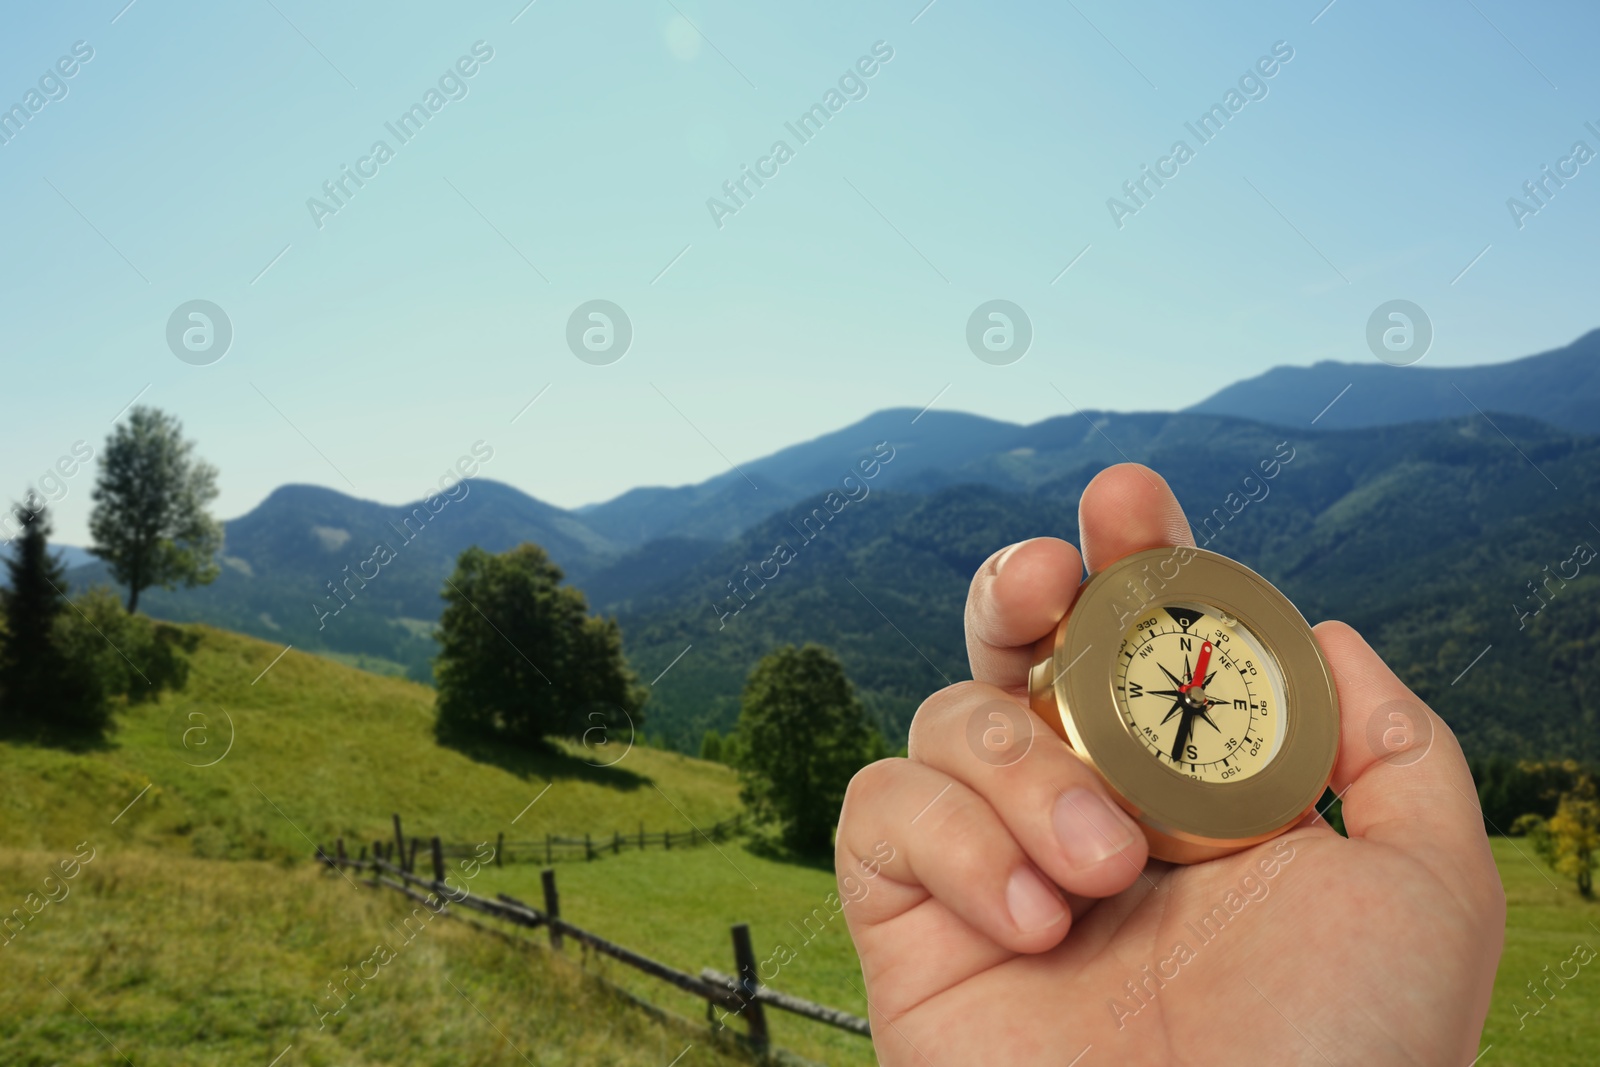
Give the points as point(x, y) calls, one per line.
point(1033, 904)
point(1089, 828)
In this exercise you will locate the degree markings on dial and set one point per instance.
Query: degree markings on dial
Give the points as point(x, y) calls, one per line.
point(1145, 638)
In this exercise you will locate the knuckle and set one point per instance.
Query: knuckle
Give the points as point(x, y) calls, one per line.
point(870, 781)
point(934, 714)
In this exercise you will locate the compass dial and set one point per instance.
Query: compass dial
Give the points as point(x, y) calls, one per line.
point(1201, 692)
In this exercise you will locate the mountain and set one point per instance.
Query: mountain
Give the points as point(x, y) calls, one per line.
point(1422, 536)
point(721, 507)
point(70, 556)
point(1419, 534)
point(1561, 387)
point(913, 501)
point(931, 451)
point(301, 567)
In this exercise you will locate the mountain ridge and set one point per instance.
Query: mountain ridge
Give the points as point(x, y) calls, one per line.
point(1560, 386)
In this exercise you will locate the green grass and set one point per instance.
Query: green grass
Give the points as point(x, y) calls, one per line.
point(1545, 919)
point(321, 751)
point(177, 960)
point(199, 933)
point(361, 661)
point(677, 907)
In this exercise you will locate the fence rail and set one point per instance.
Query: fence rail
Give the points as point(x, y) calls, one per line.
point(740, 994)
point(557, 847)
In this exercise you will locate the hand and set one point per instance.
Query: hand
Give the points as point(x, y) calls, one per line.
point(1018, 922)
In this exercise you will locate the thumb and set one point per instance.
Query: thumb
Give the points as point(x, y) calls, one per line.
point(1400, 772)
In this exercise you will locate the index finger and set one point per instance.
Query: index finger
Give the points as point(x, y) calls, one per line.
point(1021, 592)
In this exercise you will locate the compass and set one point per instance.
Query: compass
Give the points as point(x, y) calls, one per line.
point(1199, 695)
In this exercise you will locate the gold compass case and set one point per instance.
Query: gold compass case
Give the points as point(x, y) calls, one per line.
point(1075, 686)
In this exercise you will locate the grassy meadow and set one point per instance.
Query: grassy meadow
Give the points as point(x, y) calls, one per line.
point(1545, 920)
point(200, 933)
point(168, 959)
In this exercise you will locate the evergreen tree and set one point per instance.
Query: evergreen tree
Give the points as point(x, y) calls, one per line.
point(33, 673)
point(801, 735)
point(149, 521)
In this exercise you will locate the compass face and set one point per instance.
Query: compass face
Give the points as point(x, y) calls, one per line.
point(1201, 692)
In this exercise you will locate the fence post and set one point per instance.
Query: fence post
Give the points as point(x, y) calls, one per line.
point(399, 839)
point(499, 849)
point(438, 860)
point(552, 905)
point(588, 847)
point(411, 860)
point(363, 857)
point(338, 850)
point(744, 958)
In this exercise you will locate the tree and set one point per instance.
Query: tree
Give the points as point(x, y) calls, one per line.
point(520, 659)
point(32, 668)
point(150, 522)
point(1570, 839)
point(711, 746)
point(801, 735)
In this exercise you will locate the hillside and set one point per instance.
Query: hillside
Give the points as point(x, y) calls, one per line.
point(1561, 387)
point(1423, 536)
point(199, 932)
point(319, 751)
point(212, 864)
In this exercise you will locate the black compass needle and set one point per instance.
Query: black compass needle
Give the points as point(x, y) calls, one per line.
point(1185, 725)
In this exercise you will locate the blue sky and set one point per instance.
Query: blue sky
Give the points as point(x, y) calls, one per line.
point(433, 306)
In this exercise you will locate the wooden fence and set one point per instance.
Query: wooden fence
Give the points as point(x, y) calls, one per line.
point(740, 993)
point(555, 847)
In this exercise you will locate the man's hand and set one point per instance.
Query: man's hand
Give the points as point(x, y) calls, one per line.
point(1019, 921)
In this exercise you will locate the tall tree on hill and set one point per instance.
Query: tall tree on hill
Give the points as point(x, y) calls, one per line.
point(32, 669)
point(801, 735)
point(520, 659)
point(150, 522)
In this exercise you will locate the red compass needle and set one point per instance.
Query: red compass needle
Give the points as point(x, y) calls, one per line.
point(1198, 678)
